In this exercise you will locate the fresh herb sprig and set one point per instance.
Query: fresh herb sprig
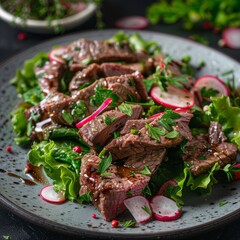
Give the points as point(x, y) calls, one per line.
point(218, 14)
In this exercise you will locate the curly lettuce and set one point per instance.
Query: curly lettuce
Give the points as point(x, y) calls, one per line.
point(60, 163)
point(228, 116)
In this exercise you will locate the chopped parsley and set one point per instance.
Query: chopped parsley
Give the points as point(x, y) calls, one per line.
point(128, 224)
point(85, 198)
point(108, 120)
point(202, 157)
point(155, 132)
point(208, 92)
point(101, 94)
point(134, 131)
point(222, 203)
point(105, 161)
point(132, 174)
point(125, 108)
point(129, 194)
point(87, 61)
point(172, 134)
point(107, 174)
point(145, 171)
point(147, 210)
point(116, 134)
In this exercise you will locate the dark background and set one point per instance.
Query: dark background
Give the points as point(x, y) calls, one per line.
point(13, 226)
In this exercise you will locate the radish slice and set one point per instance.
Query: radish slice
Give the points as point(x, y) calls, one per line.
point(213, 82)
point(165, 209)
point(49, 195)
point(94, 114)
point(236, 172)
point(177, 110)
point(231, 37)
point(132, 22)
point(139, 208)
point(55, 55)
point(173, 98)
point(163, 188)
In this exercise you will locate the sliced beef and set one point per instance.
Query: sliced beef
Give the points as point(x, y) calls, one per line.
point(130, 144)
point(204, 150)
point(138, 162)
point(215, 134)
point(87, 51)
point(115, 69)
point(87, 76)
point(135, 124)
point(100, 130)
point(223, 154)
point(49, 76)
point(109, 193)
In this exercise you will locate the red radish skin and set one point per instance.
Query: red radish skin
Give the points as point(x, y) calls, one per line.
point(213, 82)
point(104, 105)
point(231, 37)
point(49, 195)
point(173, 98)
point(164, 209)
point(55, 54)
point(135, 205)
point(177, 110)
point(132, 22)
point(163, 188)
point(236, 174)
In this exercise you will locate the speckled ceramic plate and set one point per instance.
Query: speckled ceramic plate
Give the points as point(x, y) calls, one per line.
point(199, 213)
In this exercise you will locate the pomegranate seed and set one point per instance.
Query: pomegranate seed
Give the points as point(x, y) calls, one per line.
point(27, 169)
point(9, 149)
point(94, 215)
point(21, 36)
point(162, 65)
point(77, 149)
point(114, 223)
point(207, 25)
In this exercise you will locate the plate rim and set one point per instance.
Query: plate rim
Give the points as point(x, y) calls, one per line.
point(69, 230)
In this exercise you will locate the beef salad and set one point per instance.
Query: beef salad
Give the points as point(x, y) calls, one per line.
point(119, 124)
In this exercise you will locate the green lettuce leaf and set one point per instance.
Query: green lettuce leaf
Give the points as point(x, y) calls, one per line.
point(25, 79)
point(228, 116)
point(60, 163)
point(20, 125)
point(203, 182)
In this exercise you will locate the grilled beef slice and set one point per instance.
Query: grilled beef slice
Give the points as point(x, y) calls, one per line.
point(49, 76)
point(85, 51)
point(86, 76)
point(204, 150)
point(54, 105)
point(215, 134)
point(108, 193)
point(130, 144)
point(98, 131)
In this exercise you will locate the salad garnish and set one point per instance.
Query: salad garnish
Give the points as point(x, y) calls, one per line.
point(127, 127)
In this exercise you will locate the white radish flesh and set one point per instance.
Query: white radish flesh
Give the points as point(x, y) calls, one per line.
point(132, 22)
point(209, 81)
point(139, 208)
point(164, 209)
point(55, 55)
point(49, 195)
point(173, 98)
point(231, 37)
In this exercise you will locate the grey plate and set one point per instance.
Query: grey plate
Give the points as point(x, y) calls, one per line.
point(199, 214)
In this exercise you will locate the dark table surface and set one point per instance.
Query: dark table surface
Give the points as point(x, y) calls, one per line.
point(19, 229)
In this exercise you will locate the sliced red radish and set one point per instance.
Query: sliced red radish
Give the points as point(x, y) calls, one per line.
point(177, 110)
point(132, 22)
point(55, 55)
point(164, 209)
point(104, 105)
point(49, 195)
point(209, 81)
point(231, 37)
point(173, 98)
point(163, 188)
point(236, 171)
point(139, 207)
